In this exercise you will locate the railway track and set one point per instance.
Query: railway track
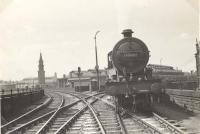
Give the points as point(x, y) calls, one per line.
point(147, 124)
point(85, 120)
point(59, 118)
point(164, 124)
point(98, 116)
point(114, 123)
point(63, 115)
point(50, 104)
point(95, 115)
point(37, 124)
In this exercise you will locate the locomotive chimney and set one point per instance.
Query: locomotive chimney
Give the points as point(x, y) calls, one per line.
point(127, 33)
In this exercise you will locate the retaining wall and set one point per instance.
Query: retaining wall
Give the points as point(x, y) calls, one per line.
point(188, 99)
point(13, 103)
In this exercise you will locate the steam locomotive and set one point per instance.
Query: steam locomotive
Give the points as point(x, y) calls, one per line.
point(129, 79)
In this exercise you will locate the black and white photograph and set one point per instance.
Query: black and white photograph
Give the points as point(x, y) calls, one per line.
point(100, 66)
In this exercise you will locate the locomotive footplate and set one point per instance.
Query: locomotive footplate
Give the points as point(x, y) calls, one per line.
point(134, 87)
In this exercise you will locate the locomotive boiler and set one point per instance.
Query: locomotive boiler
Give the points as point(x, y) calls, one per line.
point(129, 79)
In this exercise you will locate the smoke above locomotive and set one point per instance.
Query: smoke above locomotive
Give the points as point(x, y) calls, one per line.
point(130, 55)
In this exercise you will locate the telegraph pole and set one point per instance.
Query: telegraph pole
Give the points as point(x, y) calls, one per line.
point(97, 66)
point(161, 61)
point(79, 76)
point(197, 56)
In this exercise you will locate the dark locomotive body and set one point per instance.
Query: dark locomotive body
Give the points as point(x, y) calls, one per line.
point(129, 79)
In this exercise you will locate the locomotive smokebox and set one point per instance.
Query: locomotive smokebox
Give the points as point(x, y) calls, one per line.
point(130, 55)
point(127, 33)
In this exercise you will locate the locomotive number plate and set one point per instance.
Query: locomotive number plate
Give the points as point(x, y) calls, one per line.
point(130, 54)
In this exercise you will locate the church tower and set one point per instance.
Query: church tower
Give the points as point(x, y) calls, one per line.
point(41, 72)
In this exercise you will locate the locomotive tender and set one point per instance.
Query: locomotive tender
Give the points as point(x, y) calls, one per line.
point(130, 80)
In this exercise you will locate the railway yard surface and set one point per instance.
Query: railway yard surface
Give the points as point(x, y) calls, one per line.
point(95, 113)
point(185, 118)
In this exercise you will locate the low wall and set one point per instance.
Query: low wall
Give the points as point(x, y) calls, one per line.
point(11, 104)
point(188, 99)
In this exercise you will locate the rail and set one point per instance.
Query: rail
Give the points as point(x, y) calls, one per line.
point(50, 120)
point(124, 131)
point(91, 108)
point(30, 122)
point(96, 117)
point(168, 125)
point(143, 123)
point(64, 126)
point(39, 118)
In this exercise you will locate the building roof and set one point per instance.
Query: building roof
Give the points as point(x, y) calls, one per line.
point(76, 79)
point(36, 78)
point(89, 70)
point(160, 66)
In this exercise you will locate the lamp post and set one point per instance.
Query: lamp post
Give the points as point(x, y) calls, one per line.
point(161, 61)
point(197, 57)
point(79, 76)
point(97, 66)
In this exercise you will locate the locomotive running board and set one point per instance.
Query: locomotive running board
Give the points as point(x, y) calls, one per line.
point(116, 88)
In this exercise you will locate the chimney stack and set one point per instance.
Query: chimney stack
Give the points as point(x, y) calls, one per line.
point(127, 33)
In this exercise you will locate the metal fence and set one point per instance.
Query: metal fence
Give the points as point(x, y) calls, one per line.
point(17, 91)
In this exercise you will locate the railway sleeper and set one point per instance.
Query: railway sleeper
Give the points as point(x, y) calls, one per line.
point(75, 132)
point(114, 132)
point(91, 129)
point(108, 128)
point(111, 124)
point(91, 125)
point(137, 131)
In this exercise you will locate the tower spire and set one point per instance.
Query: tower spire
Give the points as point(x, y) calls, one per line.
point(41, 72)
point(40, 55)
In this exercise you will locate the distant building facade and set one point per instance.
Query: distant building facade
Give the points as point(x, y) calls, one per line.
point(62, 82)
point(174, 78)
point(84, 82)
point(50, 82)
point(7, 86)
point(166, 72)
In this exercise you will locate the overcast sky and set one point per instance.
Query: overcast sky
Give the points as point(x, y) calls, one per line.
point(63, 30)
